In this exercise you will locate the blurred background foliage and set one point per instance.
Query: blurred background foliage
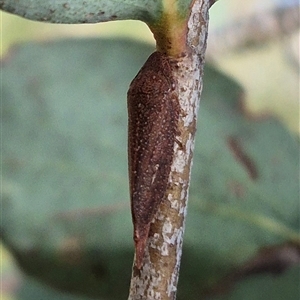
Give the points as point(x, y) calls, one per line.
point(268, 73)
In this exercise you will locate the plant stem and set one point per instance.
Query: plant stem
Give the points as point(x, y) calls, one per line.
point(158, 276)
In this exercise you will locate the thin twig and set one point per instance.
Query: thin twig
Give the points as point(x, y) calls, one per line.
point(158, 276)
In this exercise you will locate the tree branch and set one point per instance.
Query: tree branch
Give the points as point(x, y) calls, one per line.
point(158, 276)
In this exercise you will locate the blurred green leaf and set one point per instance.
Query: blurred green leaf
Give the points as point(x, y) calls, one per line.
point(81, 11)
point(32, 289)
point(261, 287)
point(66, 199)
point(66, 215)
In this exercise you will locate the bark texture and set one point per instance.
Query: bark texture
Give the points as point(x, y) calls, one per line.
point(158, 275)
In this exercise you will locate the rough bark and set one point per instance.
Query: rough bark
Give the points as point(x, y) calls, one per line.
point(158, 276)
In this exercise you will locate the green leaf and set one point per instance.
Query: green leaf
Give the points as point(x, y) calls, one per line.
point(32, 289)
point(82, 11)
point(270, 286)
point(66, 200)
point(238, 204)
point(65, 205)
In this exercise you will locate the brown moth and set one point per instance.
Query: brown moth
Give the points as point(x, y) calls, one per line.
point(153, 112)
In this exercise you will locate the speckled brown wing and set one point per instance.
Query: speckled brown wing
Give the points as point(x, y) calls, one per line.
point(153, 112)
